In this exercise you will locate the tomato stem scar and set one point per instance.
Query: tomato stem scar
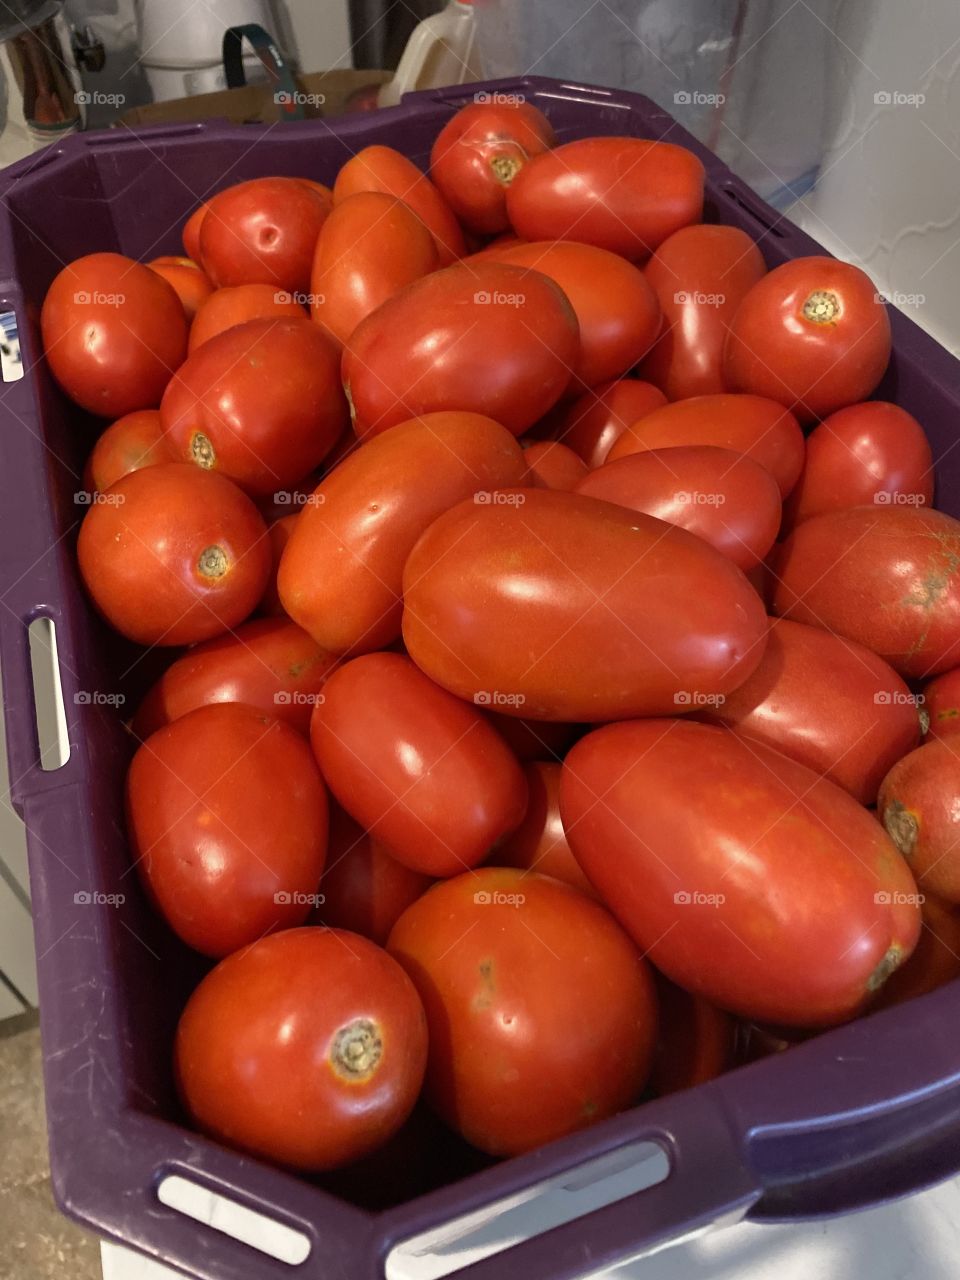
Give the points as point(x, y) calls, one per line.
point(202, 450)
point(212, 562)
point(822, 307)
point(356, 1049)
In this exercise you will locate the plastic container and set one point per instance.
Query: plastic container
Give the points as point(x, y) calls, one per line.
point(441, 51)
point(861, 1114)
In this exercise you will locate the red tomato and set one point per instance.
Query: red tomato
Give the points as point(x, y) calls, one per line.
point(191, 232)
point(919, 803)
point(941, 703)
point(172, 555)
point(700, 276)
point(833, 705)
point(478, 154)
point(228, 307)
point(262, 232)
point(321, 189)
point(533, 739)
point(383, 169)
point(307, 1048)
point(813, 334)
point(760, 428)
point(872, 452)
point(541, 1013)
point(366, 516)
point(622, 194)
point(539, 843)
point(134, 441)
point(936, 959)
point(113, 334)
point(260, 403)
point(551, 465)
point(613, 613)
point(599, 417)
point(681, 828)
point(188, 281)
point(371, 246)
point(420, 770)
point(695, 1043)
point(278, 534)
point(227, 818)
point(723, 497)
point(488, 339)
point(887, 577)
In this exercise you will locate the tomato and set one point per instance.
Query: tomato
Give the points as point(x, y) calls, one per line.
point(622, 194)
point(363, 889)
point(541, 1012)
point(488, 339)
point(760, 428)
point(747, 879)
point(228, 307)
point(113, 333)
point(813, 334)
point(723, 497)
point(618, 312)
point(695, 1042)
point(478, 154)
point(227, 819)
point(371, 246)
point(613, 613)
point(320, 188)
point(269, 664)
point(420, 770)
point(533, 739)
point(700, 276)
point(539, 843)
point(385, 170)
point(307, 1048)
point(260, 403)
point(919, 806)
point(551, 465)
point(941, 702)
point(136, 440)
point(366, 515)
point(278, 534)
point(188, 281)
point(596, 420)
point(262, 232)
point(872, 452)
point(191, 232)
point(936, 959)
point(831, 704)
point(887, 577)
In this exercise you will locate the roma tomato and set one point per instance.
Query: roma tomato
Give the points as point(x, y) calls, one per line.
point(831, 704)
point(227, 818)
point(918, 803)
point(368, 513)
point(615, 613)
point(941, 702)
point(134, 441)
point(887, 577)
point(695, 1040)
point(539, 843)
point(489, 339)
point(420, 770)
point(533, 739)
point(385, 170)
point(188, 281)
point(113, 334)
point(260, 403)
point(191, 232)
point(622, 194)
point(599, 417)
point(762, 429)
point(541, 1012)
point(723, 497)
point(371, 246)
point(307, 1048)
point(269, 664)
point(700, 276)
point(936, 959)
point(262, 232)
point(172, 555)
point(872, 452)
point(228, 307)
point(278, 534)
point(813, 334)
point(551, 465)
point(796, 921)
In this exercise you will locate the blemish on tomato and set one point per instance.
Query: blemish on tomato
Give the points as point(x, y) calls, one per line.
point(202, 451)
point(903, 827)
point(213, 562)
point(356, 1050)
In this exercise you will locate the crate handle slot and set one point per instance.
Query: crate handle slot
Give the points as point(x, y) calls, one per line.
point(229, 1216)
point(50, 718)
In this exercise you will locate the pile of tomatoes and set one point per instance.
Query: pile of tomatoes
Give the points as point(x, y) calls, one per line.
point(556, 613)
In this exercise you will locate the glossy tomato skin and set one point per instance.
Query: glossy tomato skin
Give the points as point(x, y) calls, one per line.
point(539, 843)
point(113, 333)
point(368, 514)
point(919, 808)
point(941, 702)
point(420, 770)
point(173, 555)
point(541, 1012)
point(793, 922)
point(268, 664)
point(595, 420)
point(227, 818)
point(191, 232)
point(827, 702)
point(307, 1049)
point(723, 497)
point(551, 465)
point(695, 1040)
point(134, 441)
point(489, 339)
point(700, 276)
point(619, 614)
point(262, 232)
point(936, 959)
point(887, 577)
point(871, 452)
point(622, 194)
point(813, 334)
point(188, 281)
point(278, 535)
point(370, 248)
point(260, 403)
point(762, 429)
point(228, 307)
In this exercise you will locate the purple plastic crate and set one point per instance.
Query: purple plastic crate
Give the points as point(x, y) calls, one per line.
point(863, 1113)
